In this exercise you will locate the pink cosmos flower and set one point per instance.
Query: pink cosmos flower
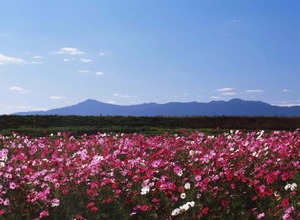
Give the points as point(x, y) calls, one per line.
point(177, 169)
point(94, 209)
point(91, 204)
point(144, 207)
point(79, 217)
point(156, 163)
point(262, 188)
point(174, 198)
point(197, 178)
point(12, 185)
point(6, 202)
point(44, 214)
point(261, 215)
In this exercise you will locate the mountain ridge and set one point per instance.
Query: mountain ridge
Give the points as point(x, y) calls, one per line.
point(233, 107)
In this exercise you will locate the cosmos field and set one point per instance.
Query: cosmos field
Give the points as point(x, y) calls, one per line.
point(189, 175)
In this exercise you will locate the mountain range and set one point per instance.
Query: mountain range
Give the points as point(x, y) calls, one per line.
point(234, 107)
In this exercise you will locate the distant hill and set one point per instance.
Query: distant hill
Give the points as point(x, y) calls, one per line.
point(234, 107)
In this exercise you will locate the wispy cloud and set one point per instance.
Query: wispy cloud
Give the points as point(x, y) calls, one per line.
point(111, 102)
point(286, 90)
point(24, 107)
point(19, 90)
point(69, 51)
point(53, 97)
point(228, 93)
point(102, 54)
point(68, 60)
point(88, 71)
point(10, 60)
point(226, 89)
point(86, 60)
point(289, 103)
point(122, 96)
point(37, 57)
point(83, 71)
point(28, 108)
point(235, 21)
point(215, 97)
point(253, 90)
point(35, 62)
point(99, 73)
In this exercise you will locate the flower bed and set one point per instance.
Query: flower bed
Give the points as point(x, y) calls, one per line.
point(235, 175)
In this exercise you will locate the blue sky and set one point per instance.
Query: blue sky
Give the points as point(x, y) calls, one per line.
point(56, 53)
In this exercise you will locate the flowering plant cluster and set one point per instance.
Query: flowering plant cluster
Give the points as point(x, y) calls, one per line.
point(234, 175)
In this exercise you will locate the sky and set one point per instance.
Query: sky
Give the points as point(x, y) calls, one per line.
point(56, 53)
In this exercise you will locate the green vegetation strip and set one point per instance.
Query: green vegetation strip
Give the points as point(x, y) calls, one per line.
point(78, 125)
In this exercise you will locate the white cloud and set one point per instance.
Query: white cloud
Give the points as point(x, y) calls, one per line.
point(37, 57)
point(30, 108)
point(228, 93)
point(86, 60)
point(286, 90)
point(254, 90)
point(35, 62)
point(83, 71)
point(111, 102)
point(235, 21)
point(122, 96)
point(102, 54)
point(215, 97)
point(53, 97)
point(19, 90)
point(16, 88)
point(10, 60)
point(69, 51)
point(69, 60)
point(99, 73)
point(24, 107)
point(226, 89)
point(287, 105)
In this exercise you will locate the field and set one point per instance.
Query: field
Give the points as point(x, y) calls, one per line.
point(37, 126)
point(183, 174)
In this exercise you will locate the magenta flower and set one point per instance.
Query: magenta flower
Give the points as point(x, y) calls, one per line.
point(178, 170)
point(12, 185)
point(6, 202)
point(261, 215)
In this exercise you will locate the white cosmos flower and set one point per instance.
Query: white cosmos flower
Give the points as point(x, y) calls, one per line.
point(55, 202)
point(192, 203)
point(145, 190)
point(180, 173)
point(182, 195)
point(293, 186)
point(175, 212)
point(187, 185)
point(287, 186)
point(183, 208)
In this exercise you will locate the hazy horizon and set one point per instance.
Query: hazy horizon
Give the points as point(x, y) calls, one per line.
point(59, 53)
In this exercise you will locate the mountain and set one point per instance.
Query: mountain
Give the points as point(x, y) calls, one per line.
point(234, 107)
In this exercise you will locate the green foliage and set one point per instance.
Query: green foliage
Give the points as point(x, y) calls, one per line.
point(78, 125)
